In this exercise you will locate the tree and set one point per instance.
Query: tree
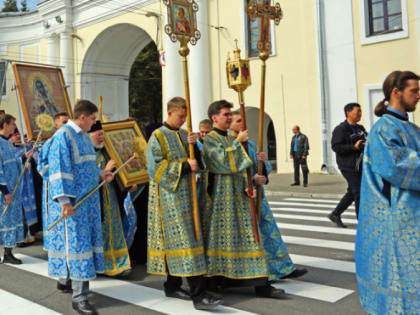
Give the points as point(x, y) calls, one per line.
point(9, 6)
point(23, 6)
point(145, 87)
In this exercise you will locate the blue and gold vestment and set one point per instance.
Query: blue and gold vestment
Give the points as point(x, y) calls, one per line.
point(170, 232)
point(278, 259)
point(116, 255)
point(75, 243)
point(11, 223)
point(231, 250)
point(388, 233)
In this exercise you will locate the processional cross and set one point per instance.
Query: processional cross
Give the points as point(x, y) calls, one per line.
point(266, 13)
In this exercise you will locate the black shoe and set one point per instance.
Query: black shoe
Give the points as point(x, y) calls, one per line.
point(295, 184)
point(337, 220)
point(84, 307)
point(296, 273)
point(207, 301)
point(10, 259)
point(270, 292)
point(305, 185)
point(178, 294)
point(64, 288)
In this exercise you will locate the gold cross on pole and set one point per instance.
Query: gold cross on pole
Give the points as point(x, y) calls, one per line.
point(265, 12)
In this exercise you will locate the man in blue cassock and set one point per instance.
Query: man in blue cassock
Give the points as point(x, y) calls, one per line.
point(388, 233)
point(75, 252)
point(280, 266)
point(11, 223)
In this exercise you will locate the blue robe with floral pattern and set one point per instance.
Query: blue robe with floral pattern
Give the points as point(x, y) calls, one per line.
point(11, 223)
point(388, 233)
point(75, 243)
point(278, 259)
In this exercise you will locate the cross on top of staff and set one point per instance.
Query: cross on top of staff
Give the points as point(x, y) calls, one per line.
point(265, 12)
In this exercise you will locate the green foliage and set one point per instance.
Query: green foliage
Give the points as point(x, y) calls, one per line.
point(23, 6)
point(9, 6)
point(145, 87)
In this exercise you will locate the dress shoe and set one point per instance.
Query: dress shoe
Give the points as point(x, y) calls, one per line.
point(270, 292)
point(337, 220)
point(84, 307)
point(305, 185)
point(298, 272)
point(64, 288)
point(295, 184)
point(10, 259)
point(178, 294)
point(207, 301)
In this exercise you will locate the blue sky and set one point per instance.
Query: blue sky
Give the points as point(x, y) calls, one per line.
point(31, 4)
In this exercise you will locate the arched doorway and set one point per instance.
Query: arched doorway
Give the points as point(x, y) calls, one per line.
point(269, 146)
point(107, 65)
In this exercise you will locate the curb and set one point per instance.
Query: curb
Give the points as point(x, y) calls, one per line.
point(302, 195)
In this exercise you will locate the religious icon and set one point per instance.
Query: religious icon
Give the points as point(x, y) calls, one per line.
point(182, 20)
point(42, 93)
point(122, 138)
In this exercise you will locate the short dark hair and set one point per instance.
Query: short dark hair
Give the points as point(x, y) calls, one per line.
point(216, 107)
point(206, 122)
point(349, 107)
point(176, 103)
point(60, 114)
point(6, 119)
point(84, 107)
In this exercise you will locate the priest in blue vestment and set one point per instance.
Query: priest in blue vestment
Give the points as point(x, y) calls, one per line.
point(75, 246)
point(388, 233)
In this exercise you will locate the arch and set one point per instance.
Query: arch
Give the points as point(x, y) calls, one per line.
point(107, 64)
point(252, 121)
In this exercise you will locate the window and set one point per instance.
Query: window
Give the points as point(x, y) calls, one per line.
point(2, 79)
point(385, 16)
point(253, 34)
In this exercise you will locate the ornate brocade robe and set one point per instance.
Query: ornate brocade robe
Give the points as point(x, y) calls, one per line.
point(116, 255)
point(278, 259)
point(388, 233)
point(75, 243)
point(171, 240)
point(11, 223)
point(231, 250)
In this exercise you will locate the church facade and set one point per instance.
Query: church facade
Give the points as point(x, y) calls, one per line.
point(325, 54)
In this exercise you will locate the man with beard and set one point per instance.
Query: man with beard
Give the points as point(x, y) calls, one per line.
point(388, 232)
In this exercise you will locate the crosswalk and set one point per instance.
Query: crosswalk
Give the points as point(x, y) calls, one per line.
point(312, 240)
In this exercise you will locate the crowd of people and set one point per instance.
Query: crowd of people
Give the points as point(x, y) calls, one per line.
point(154, 223)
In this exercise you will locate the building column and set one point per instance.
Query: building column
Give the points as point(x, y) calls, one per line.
point(66, 60)
point(200, 71)
point(52, 49)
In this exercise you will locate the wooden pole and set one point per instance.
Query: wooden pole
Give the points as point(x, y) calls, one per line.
point(184, 51)
point(249, 171)
point(263, 56)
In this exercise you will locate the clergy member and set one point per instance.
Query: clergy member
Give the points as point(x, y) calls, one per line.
point(172, 247)
point(75, 246)
point(280, 266)
point(117, 260)
point(233, 256)
point(388, 231)
point(11, 223)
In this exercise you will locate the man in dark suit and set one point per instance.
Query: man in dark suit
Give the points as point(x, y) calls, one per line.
point(348, 143)
point(299, 151)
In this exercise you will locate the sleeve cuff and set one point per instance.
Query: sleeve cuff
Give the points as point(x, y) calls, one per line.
point(63, 200)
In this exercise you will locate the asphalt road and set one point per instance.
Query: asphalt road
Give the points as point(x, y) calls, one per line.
point(313, 242)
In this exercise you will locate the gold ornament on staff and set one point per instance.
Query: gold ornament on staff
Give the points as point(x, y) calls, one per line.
point(239, 78)
point(44, 123)
point(182, 27)
point(266, 13)
point(91, 192)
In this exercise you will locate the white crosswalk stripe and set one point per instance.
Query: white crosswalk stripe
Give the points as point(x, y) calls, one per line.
point(311, 205)
point(11, 304)
point(346, 214)
point(309, 218)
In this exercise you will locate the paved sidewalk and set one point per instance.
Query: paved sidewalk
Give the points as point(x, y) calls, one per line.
point(320, 186)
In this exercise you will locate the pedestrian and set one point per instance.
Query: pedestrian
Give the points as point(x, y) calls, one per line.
point(348, 143)
point(173, 249)
point(75, 246)
point(388, 232)
point(280, 265)
point(299, 151)
point(11, 222)
point(234, 258)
